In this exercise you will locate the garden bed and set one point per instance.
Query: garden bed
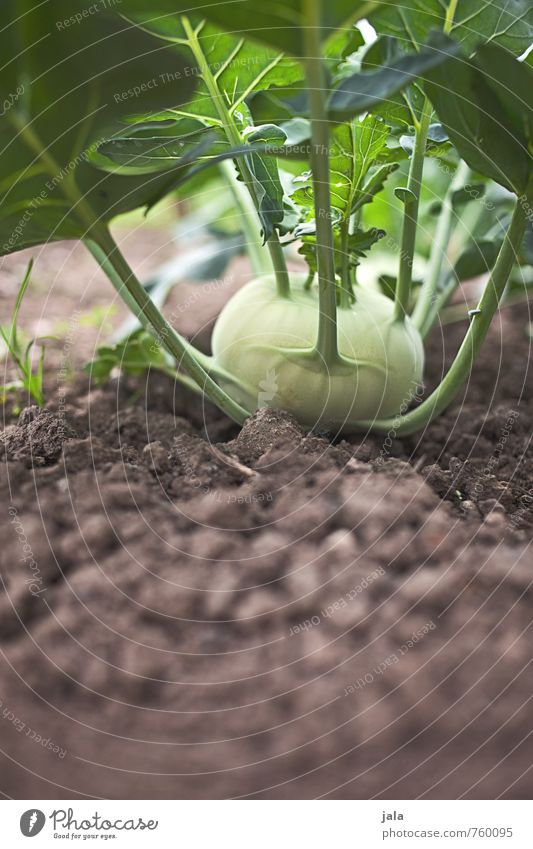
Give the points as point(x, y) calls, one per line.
point(192, 610)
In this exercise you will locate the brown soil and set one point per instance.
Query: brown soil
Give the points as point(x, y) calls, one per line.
point(190, 611)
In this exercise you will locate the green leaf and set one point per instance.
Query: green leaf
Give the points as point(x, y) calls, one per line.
point(512, 81)
point(79, 82)
point(355, 147)
point(374, 185)
point(30, 378)
point(339, 49)
point(437, 142)
point(358, 245)
point(231, 70)
point(135, 355)
point(476, 259)
point(153, 147)
point(265, 176)
point(278, 24)
point(239, 67)
point(365, 91)
point(488, 119)
point(407, 26)
point(467, 194)
point(508, 23)
point(402, 108)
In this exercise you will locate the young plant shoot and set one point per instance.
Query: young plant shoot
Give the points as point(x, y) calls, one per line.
point(30, 373)
point(320, 343)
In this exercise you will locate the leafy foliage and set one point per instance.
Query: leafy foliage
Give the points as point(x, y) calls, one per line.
point(478, 258)
point(406, 27)
point(348, 252)
point(356, 177)
point(78, 87)
point(114, 114)
point(279, 25)
point(508, 23)
point(265, 178)
point(231, 69)
point(489, 119)
point(355, 148)
point(369, 89)
point(135, 355)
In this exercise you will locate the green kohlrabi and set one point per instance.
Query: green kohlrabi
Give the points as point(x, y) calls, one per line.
point(268, 342)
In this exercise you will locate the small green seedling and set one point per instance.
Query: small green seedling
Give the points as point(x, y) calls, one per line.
point(30, 380)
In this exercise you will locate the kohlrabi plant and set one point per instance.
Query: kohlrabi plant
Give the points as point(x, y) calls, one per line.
point(309, 123)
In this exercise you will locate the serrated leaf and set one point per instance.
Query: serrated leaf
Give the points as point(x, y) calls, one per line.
point(240, 68)
point(358, 245)
point(355, 148)
point(374, 185)
point(265, 175)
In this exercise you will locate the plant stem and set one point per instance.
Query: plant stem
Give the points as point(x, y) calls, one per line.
point(277, 257)
point(410, 217)
point(234, 137)
point(248, 216)
point(425, 310)
point(326, 344)
point(412, 202)
point(461, 367)
point(450, 15)
point(108, 255)
point(346, 289)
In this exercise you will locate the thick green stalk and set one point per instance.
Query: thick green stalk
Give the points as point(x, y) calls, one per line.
point(316, 83)
point(412, 200)
point(346, 289)
point(430, 302)
point(106, 251)
point(234, 138)
point(450, 15)
point(461, 367)
point(410, 217)
point(424, 311)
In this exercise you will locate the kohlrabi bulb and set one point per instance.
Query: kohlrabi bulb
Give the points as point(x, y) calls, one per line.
point(266, 343)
